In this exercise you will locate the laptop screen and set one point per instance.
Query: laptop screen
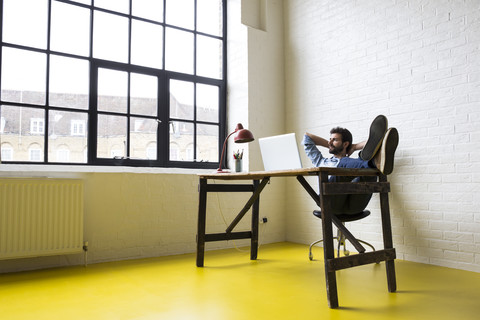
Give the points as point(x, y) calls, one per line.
point(280, 152)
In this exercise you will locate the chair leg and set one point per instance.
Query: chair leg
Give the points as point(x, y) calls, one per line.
point(341, 226)
point(310, 253)
point(341, 242)
point(344, 243)
point(368, 244)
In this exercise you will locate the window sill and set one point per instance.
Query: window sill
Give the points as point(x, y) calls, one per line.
point(22, 170)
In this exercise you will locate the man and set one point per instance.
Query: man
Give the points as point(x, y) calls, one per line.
point(376, 152)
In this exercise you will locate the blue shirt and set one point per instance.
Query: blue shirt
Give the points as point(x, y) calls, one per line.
point(318, 160)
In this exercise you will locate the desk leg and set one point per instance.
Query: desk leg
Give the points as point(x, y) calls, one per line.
point(329, 253)
point(387, 238)
point(255, 218)
point(202, 217)
point(328, 250)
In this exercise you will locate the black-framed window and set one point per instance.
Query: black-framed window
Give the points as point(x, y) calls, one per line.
point(113, 82)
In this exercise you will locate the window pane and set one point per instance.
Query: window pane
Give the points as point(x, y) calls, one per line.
point(181, 136)
point(78, 127)
point(174, 152)
point(180, 13)
point(147, 44)
point(181, 99)
point(143, 136)
point(25, 22)
point(209, 57)
point(37, 126)
point(114, 5)
point(62, 155)
point(70, 29)
point(67, 137)
point(209, 16)
point(112, 136)
point(110, 37)
point(207, 143)
point(6, 152)
point(149, 9)
point(143, 94)
point(112, 90)
point(69, 82)
point(35, 152)
point(23, 132)
point(207, 103)
point(23, 76)
point(179, 51)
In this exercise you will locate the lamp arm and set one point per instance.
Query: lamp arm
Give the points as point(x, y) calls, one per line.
point(223, 150)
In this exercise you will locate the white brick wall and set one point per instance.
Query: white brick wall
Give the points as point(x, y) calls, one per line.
point(417, 62)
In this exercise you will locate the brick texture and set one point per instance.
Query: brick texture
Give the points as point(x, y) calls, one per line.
point(417, 62)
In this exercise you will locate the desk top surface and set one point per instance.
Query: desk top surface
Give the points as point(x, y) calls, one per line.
point(288, 173)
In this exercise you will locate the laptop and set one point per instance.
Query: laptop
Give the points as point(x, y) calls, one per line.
point(280, 152)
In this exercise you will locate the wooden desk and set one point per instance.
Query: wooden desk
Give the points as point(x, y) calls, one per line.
point(327, 189)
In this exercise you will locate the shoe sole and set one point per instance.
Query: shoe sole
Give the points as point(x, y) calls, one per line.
point(389, 146)
point(378, 128)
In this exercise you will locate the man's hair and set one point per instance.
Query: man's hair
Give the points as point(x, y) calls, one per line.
point(346, 135)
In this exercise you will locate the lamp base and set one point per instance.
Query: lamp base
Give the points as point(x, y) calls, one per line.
point(223, 170)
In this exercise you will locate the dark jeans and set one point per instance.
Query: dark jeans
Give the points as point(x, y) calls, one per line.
point(351, 203)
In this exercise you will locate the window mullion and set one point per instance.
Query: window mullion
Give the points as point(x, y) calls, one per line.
point(163, 137)
point(92, 115)
point(47, 82)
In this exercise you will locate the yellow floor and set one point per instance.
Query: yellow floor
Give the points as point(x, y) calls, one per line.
point(281, 284)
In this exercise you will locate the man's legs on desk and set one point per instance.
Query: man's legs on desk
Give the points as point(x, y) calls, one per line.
point(382, 159)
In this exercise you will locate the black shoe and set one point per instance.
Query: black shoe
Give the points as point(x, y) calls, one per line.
point(378, 128)
point(385, 156)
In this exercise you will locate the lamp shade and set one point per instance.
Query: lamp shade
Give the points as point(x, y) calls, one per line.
point(242, 135)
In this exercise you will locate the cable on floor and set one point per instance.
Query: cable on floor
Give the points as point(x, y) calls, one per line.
point(226, 225)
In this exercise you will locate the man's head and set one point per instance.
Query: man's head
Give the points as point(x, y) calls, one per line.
point(340, 140)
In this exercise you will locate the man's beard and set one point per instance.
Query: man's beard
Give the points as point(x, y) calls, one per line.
point(335, 150)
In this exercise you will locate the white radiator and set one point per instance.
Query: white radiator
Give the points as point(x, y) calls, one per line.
point(40, 216)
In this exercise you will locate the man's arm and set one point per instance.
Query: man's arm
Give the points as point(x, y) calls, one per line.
point(310, 143)
point(355, 147)
point(319, 141)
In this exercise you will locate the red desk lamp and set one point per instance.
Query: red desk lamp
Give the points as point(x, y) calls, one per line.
point(242, 136)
